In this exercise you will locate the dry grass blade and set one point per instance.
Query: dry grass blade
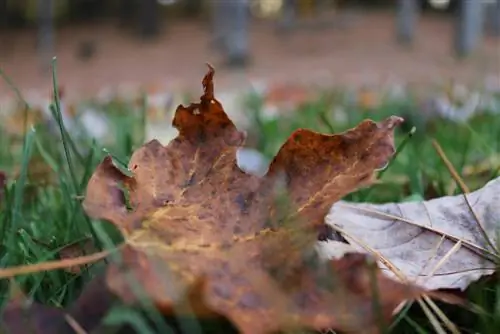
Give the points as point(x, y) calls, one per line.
point(437, 326)
point(445, 258)
point(395, 270)
point(462, 271)
point(74, 325)
point(449, 324)
point(432, 318)
point(449, 166)
point(465, 190)
point(53, 265)
point(433, 255)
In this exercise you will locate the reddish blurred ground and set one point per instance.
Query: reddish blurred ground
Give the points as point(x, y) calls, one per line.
point(363, 53)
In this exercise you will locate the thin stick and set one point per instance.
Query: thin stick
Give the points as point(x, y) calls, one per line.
point(464, 189)
point(428, 313)
point(451, 169)
point(74, 324)
point(53, 265)
point(451, 326)
point(445, 258)
point(434, 254)
point(395, 270)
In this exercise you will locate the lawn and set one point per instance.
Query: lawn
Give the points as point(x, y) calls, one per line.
point(48, 168)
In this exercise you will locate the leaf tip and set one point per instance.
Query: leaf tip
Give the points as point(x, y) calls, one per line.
point(208, 84)
point(394, 121)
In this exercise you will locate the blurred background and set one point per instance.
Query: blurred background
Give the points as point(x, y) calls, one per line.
point(427, 58)
point(123, 66)
point(163, 44)
point(440, 55)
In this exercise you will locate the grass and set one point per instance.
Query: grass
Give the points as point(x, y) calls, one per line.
point(41, 211)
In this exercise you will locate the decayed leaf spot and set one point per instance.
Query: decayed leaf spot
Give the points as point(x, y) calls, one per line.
point(197, 217)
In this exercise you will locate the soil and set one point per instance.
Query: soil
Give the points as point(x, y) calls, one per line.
point(363, 51)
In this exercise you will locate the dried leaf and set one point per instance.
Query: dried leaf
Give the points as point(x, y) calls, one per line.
point(204, 237)
point(202, 227)
point(32, 318)
point(24, 316)
point(420, 238)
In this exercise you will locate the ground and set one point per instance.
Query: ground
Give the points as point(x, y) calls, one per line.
point(362, 52)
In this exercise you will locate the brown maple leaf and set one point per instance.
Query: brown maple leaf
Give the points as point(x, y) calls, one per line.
point(199, 226)
point(204, 237)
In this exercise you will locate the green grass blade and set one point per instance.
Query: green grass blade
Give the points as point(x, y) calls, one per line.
point(21, 181)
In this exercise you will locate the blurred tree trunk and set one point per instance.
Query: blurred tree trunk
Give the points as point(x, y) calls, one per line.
point(3, 14)
point(236, 15)
point(493, 18)
point(288, 17)
point(127, 12)
point(149, 18)
point(219, 24)
point(88, 9)
point(45, 38)
point(469, 26)
point(192, 8)
point(5, 45)
point(406, 20)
